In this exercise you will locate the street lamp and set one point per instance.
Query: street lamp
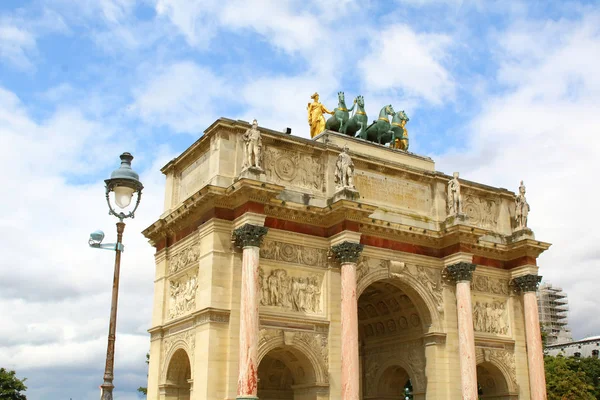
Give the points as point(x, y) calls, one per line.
point(123, 183)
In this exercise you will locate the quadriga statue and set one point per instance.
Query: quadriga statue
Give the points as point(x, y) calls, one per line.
point(339, 120)
point(399, 121)
point(358, 122)
point(379, 131)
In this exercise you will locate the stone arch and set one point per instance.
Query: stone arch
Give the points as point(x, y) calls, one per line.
point(500, 372)
point(173, 345)
point(303, 345)
point(414, 289)
point(177, 376)
point(418, 386)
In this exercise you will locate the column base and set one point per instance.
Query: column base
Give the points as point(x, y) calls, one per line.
point(246, 398)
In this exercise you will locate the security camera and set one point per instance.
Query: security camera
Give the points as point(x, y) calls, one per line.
point(96, 238)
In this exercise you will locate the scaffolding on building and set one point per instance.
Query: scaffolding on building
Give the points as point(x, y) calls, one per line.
point(553, 307)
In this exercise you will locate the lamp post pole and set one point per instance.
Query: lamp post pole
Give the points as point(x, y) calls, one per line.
point(123, 183)
point(107, 386)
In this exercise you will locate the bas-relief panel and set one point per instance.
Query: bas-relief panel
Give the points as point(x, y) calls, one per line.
point(482, 211)
point(490, 307)
point(292, 168)
point(388, 191)
point(182, 294)
point(291, 290)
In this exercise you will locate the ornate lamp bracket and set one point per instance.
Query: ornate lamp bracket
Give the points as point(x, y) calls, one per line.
point(462, 271)
point(527, 283)
point(347, 252)
point(248, 235)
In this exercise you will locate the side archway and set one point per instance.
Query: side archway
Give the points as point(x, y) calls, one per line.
point(177, 377)
point(499, 366)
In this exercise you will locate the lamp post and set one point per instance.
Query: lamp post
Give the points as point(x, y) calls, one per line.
point(123, 182)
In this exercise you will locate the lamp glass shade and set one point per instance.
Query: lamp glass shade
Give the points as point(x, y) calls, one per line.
point(123, 195)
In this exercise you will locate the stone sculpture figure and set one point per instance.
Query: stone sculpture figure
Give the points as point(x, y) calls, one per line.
point(252, 147)
point(344, 170)
point(454, 201)
point(315, 115)
point(522, 208)
point(490, 318)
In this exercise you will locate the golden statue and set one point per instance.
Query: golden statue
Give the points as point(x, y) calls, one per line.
point(315, 115)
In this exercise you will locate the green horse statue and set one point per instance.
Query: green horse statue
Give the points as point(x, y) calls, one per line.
point(379, 131)
point(399, 121)
point(358, 122)
point(337, 122)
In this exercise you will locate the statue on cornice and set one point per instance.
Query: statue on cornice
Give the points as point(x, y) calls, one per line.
point(454, 201)
point(522, 208)
point(315, 115)
point(344, 171)
point(252, 147)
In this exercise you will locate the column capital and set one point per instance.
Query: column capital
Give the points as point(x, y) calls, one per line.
point(248, 235)
point(461, 271)
point(527, 283)
point(347, 252)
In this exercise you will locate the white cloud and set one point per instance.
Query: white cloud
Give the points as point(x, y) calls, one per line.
point(16, 45)
point(196, 20)
point(400, 58)
point(544, 130)
point(181, 96)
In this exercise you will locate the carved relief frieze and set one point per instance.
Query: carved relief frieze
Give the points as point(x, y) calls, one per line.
point(430, 278)
point(490, 317)
point(302, 293)
point(367, 265)
point(187, 337)
point(486, 284)
point(184, 258)
point(502, 357)
point(294, 168)
point(292, 253)
point(182, 294)
point(482, 212)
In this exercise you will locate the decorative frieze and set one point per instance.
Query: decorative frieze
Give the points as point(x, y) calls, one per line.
point(486, 284)
point(278, 289)
point(366, 264)
point(211, 315)
point(482, 212)
point(249, 235)
point(490, 317)
point(292, 253)
point(527, 283)
point(462, 271)
point(184, 258)
point(430, 278)
point(187, 337)
point(182, 294)
point(347, 252)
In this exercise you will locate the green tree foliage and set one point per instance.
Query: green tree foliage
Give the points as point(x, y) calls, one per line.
point(141, 389)
point(11, 386)
point(568, 379)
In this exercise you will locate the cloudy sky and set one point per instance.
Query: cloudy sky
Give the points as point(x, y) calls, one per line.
point(500, 91)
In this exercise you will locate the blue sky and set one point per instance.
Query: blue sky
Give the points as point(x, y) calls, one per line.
point(500, 91)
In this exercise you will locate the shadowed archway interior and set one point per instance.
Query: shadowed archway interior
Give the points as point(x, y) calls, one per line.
point(491, 382)
point(179, 373)
point(286, 373)
point(391, 328)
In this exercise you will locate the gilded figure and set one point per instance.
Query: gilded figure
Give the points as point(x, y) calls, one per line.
point(315, 115)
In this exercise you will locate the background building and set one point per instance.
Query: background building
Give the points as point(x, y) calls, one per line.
point(553, 307)
point(588, 347)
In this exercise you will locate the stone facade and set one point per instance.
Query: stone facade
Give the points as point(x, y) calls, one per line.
point(286, 248)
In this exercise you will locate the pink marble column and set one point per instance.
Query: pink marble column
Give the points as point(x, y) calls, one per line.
point(249, 237)
point(463, 273)
point(347, 254)
point(535, 354)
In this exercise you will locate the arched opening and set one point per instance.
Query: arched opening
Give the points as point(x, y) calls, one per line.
point(391, 327)
point(285, 373)
point(491, 383)
point(394, 383)
point(178, 384)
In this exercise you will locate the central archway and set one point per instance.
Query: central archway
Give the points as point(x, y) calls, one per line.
point(286, 373)
point(391, 328)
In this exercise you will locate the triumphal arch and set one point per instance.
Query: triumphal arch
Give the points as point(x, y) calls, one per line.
point(337, 268)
